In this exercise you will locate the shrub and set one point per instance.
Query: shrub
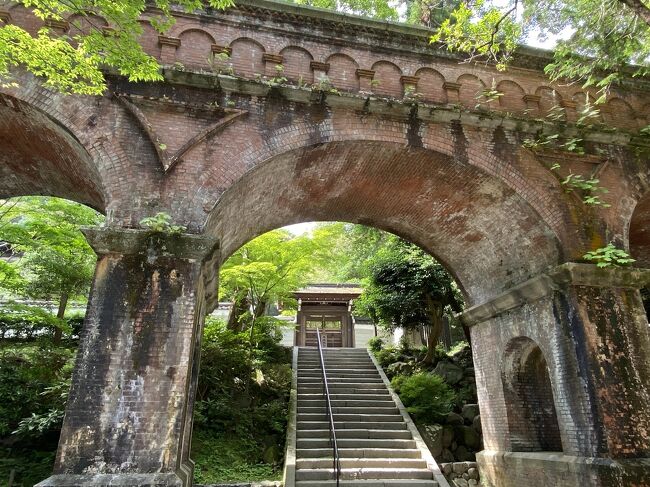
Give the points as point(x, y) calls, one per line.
point(375, 344)
point(387, 356)
point(426, 396)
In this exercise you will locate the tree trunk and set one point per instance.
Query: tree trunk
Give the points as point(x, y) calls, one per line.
point(435, 311)
point(63, 303)
point(239, 307)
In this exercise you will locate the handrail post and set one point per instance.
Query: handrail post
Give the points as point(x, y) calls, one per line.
point(330, 415)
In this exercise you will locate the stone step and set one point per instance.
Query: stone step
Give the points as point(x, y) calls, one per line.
point(312, 463)
point(356, 443)
point(359, 417)
point(346, 410)
point(365, 473)
point(379, 403)
point(347, 393)
point(345, 385)
point(404, 434)
point(359, 453)
point(340, 380)
point(368, 483)
point(343, 425)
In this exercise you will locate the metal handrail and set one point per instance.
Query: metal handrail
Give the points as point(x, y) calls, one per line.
point(330, 417)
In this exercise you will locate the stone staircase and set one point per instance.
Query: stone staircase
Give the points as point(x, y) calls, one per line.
point(377, 447)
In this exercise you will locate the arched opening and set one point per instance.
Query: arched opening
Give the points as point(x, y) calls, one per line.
point(475, 225)
point(46, 270)
point(39, 156)
point(532, 419)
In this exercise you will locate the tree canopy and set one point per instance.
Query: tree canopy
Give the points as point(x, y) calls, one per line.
point(408, 289)
point(55, 260)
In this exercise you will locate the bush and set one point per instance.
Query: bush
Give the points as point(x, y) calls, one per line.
point(387, 356)
point(242, 403)
point(426, 396)
point(375, 344)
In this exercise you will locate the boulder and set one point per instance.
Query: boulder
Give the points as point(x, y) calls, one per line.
point(470, 411)
point(476, 424)
point(447, 436)
point(446, 468)
point(454, 419)
point(432, 434)
point(462, 454)
point(468, 437)
point(460, 483)
point(473, 473)
point(446, 456)
point(452, 373)
point(399, 368)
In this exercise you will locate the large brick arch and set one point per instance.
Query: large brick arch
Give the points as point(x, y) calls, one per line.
point(87, 149)
point(477, 226)
point(39, 156)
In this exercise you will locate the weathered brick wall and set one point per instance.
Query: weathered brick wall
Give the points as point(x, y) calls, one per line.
point(231, 157)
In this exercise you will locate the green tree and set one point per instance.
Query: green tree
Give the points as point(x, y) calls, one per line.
point(76, 64)
point(379, 9)
point(55, 261)
point(601, 41)
point(269, 268)
point(409, 289)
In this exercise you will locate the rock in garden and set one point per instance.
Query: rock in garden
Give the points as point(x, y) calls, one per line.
point(470, 411)
point(452, 373)
point(476, 424)
point(447, 436)
point(454, 419)
point(432, 435)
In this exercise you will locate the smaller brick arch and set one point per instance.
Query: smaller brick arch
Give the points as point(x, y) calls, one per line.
point(430, 85)
point(512, 99)
point(84, 24)
point(195, 48)
point(149, 39)
point(343, 72)
point(388, 76)
point(296, 64)
point(619, 113)
point(470, 90)
point(247, 57)
point(25, 18)
point(532, 418)
point(549, 98)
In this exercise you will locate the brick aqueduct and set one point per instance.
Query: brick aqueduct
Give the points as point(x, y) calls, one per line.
point(561, 349)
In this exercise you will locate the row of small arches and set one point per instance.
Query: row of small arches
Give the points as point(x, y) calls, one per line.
point(194, 49)
point(247, 60)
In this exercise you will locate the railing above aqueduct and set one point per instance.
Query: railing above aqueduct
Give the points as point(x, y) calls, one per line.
point(355, 54)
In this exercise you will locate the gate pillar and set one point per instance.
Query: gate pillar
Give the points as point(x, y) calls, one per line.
point(565, 353)
point(128, 419)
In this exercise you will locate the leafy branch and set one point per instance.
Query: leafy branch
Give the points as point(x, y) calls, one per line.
point(609, 256)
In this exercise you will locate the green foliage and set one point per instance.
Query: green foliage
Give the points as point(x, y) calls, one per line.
point(74, 64)
point(379, 9)
point(609, 256)
point(607, 39)
point(21, 321)
point(483, 31)
point(270, 268)
point(242, 403)
point(221, 459)
point(426, 396)
point(161, 223)
point(408, 289)
point(589, 187)
point(56, 261)
point(33, 379)
point(375, 344)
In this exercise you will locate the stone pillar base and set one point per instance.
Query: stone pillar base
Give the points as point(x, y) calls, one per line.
point(118, 480)
point(550, 469)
